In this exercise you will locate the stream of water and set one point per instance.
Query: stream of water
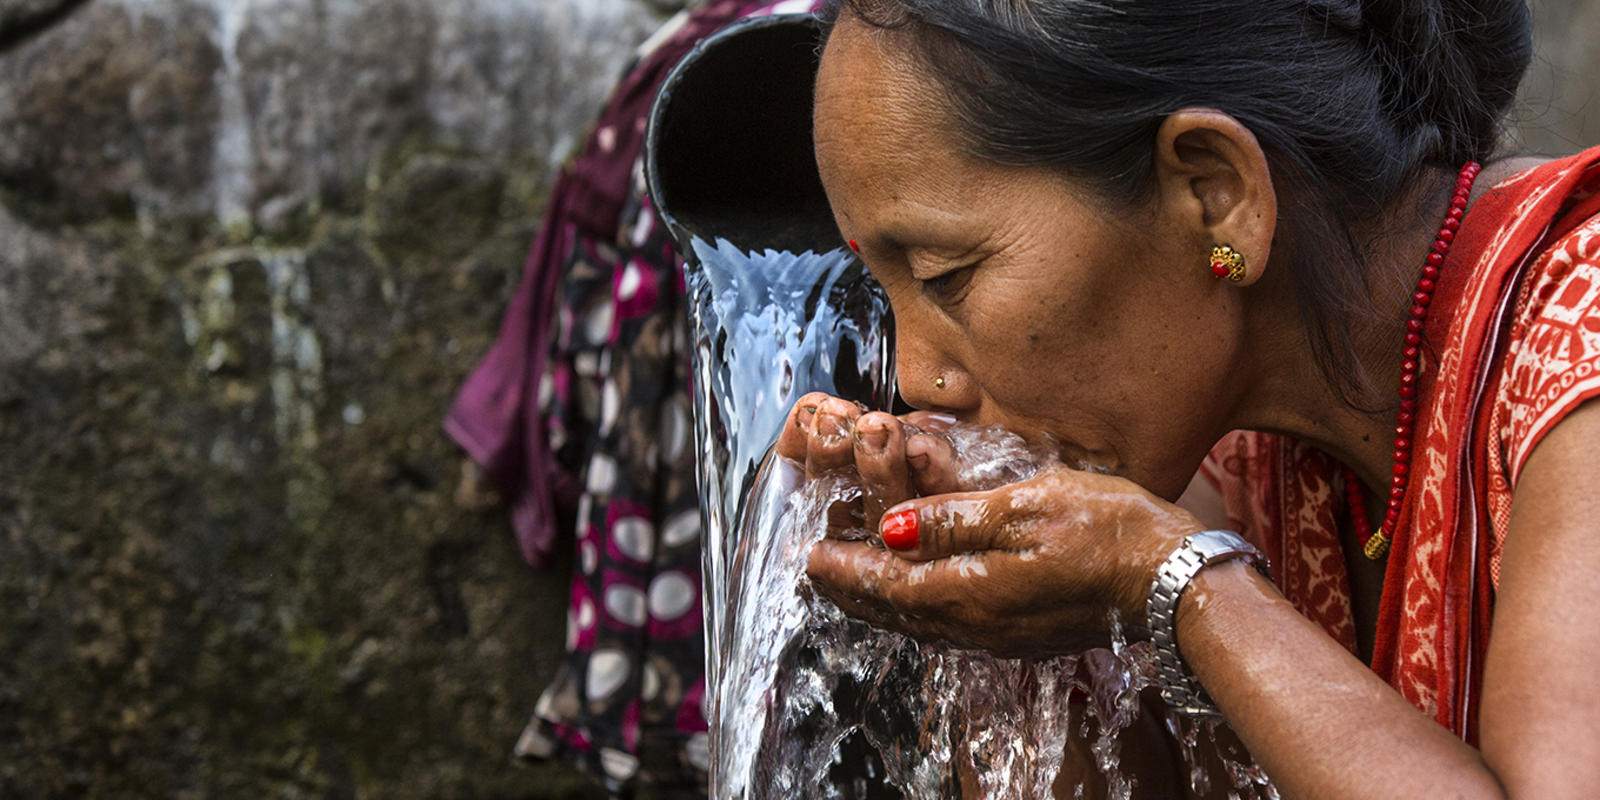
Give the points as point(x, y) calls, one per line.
point(806, 702)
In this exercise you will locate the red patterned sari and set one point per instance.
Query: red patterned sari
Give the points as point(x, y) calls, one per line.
point(1512, 347)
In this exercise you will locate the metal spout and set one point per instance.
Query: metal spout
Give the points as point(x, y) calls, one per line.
point(728, 152)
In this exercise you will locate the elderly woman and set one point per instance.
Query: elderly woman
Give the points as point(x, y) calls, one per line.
point(1252, 268)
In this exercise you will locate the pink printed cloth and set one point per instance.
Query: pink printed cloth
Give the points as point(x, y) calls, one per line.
point(580, 412)
point(499, 414)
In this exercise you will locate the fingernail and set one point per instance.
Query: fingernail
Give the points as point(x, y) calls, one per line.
point(900, 530)
point(803, 419)
point(874, 439)
point(831, 425)
point(919, 461)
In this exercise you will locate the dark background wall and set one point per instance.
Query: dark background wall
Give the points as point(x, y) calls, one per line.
point(248, 249)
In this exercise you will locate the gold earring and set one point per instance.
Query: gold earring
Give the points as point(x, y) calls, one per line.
point(1227, 262)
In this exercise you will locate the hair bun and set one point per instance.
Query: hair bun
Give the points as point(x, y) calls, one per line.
point(1451, 68)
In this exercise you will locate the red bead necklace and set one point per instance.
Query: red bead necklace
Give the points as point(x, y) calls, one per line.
point(1376, 545)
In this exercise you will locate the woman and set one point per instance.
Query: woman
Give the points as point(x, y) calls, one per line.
point(1132, 228)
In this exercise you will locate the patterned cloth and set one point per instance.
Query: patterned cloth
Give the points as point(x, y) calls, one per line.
point(1512, 347)
point(499, 415)
point(581, 409)
point(625, 706)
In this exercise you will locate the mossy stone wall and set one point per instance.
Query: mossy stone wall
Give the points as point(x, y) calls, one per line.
point(248, 251)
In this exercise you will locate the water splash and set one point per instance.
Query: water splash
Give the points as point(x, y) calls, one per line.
point(769, 326)
point(807, 702)
point(801, 677)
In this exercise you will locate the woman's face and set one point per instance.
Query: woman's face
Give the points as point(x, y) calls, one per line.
point(1039, 309)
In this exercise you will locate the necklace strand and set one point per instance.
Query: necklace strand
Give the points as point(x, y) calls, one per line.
point(1376, 545)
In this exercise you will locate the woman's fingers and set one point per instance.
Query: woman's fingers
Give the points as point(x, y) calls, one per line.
point(818, 436)
point(999, 601)
point(927, 600)
point(830, 445)
point(930, 421)
point(796, 433)
point(868, 582)
point(880, 454)
point(933, 464)
point(951, 525)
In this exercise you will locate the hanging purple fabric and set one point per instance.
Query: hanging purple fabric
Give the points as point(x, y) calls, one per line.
point(495, 415)
point(582, 407)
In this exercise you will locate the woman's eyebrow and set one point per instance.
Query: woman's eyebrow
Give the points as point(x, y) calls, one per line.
point(947, 237)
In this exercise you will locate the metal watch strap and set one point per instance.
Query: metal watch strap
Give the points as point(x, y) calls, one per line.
point(1179, 688)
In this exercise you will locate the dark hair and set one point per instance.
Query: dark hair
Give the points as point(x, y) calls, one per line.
point(1351, 100)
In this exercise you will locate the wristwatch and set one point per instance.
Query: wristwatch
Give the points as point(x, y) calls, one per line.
point(1179, 687)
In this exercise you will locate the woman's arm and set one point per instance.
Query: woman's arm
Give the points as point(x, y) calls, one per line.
point(1541, 705)
point(1060, 550)
point(1317, 720)
point(1325, 726)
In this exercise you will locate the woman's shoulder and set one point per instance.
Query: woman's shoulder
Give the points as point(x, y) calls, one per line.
point(1570, 178)
point(1552, 361)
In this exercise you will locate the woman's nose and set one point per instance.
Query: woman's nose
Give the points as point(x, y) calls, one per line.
point(932, 383)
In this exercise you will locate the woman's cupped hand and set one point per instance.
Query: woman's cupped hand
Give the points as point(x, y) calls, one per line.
point(1034, 568)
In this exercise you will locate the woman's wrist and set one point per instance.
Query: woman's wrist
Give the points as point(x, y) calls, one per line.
point(1196, 554)
point(1165, 534)
point(1214, 594)
point(1153, 560)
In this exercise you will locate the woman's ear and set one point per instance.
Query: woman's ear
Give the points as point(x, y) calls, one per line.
point(1212, 174)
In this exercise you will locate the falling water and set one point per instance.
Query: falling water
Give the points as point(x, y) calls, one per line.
point(806, 702)
point(233, 159)
point(770, 326)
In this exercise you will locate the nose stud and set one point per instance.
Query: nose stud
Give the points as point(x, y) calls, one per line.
point(938, 383)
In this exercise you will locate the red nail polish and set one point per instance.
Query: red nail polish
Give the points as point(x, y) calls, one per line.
point(900, 530)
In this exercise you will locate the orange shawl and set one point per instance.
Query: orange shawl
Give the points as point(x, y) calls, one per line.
point(1512, 346)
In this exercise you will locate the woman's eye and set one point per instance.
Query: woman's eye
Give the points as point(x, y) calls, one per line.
point(948, 287)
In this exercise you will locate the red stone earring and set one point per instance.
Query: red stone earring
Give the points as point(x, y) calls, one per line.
point(854, 246)
point(1227, 262)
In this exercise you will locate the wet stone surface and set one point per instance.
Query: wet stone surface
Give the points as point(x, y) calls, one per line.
point(248, 250)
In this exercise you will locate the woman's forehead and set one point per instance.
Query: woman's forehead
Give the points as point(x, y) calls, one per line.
point(871, 75)
point(875, 110)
